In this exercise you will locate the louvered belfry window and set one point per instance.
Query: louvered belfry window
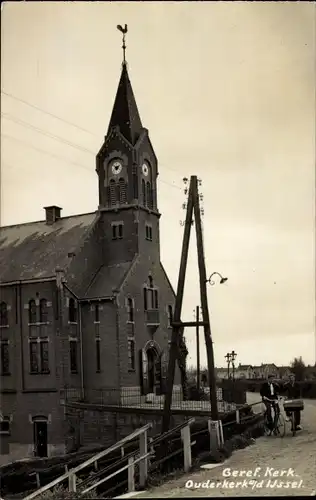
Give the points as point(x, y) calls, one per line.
point(122, 191)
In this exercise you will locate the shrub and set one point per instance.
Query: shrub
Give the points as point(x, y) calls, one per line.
point(60, 493)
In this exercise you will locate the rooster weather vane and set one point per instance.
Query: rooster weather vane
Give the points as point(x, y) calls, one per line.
point(124, 31)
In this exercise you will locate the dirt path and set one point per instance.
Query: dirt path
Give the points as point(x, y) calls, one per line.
point(275, 466)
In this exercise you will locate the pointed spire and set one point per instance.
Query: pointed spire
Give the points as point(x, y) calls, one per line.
point(125, 113)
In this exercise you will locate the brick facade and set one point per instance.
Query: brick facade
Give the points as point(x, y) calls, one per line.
point(101, 329)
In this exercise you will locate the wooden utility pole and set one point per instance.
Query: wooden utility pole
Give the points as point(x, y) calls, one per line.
point(204, 302)
point(198, 349)
point(177, 324)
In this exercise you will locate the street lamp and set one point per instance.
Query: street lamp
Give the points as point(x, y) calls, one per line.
point(233, 356)
point(228, 359)
point(222, 280)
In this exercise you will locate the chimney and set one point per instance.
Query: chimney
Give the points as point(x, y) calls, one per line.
point(52, 214)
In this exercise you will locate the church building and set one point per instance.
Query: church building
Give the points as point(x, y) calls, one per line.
point(85, 302)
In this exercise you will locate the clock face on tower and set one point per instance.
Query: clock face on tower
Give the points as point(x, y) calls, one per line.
point(145, 169)
point(116, 167)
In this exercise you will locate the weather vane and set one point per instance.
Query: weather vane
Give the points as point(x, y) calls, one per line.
point(124, 31)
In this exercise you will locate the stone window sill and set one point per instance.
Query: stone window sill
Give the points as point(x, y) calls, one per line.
point(72, 323)
point(4, 326)
point(39, 323)
point(6, 374)
point(47, 372)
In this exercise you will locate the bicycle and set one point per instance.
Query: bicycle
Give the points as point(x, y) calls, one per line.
point(278, 420)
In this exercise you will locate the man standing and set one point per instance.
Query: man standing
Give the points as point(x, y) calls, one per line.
point(292, 391)
point(270, 392)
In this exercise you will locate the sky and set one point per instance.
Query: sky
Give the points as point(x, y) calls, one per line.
point(227, 91)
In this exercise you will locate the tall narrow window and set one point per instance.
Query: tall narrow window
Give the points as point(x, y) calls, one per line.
point(131, 355)
point(98, 354)
point(145, 299)
point(73, 355)
point(170, 316)
point(39, 355)
point(112, 192)
point(43, 311)
point(155, 304)
point(130, 310)
point(120, 231)
point(72, 311)
point(96, 314)
point(5, 357)
point(135, 186)
point(117, 231)
point(32, 311)
point(144, 192)
point(148, 230)
point(148, 195)
point(44, 357)
point(34, 368)
point(3, 314)
point(122, 185)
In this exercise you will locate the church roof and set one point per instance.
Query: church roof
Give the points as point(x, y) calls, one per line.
point(125, 113)
point(107, 280)
point(34, 250)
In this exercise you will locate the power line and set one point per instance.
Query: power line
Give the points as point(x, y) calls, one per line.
point(7, 116)
point(65, 160)
point(43, 151)
point(46, 112)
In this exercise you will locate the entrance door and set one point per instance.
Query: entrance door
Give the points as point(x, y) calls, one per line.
point(151, 370)
point(40, 438)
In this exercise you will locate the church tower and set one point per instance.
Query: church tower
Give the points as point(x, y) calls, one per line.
point(127, 169)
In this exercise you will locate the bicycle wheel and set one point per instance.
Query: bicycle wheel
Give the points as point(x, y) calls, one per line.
point(280, 426)
point(293, 424)
point(266, 428)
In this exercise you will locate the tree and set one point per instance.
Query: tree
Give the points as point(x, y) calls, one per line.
point(298, 368)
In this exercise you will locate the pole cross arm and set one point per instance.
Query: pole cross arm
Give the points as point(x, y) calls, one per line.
point(189, 323)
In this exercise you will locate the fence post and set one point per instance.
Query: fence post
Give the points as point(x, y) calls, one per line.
point(72, 484)
point(213, 428)
point(237, 417)
point(38, 483)
point(221, 433)
point(186, 439)
point(143, 465)
point(131, 475)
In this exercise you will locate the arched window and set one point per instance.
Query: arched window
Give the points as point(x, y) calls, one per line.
point(122, 191)
point(144, 192)
point(112, 192)
point(130, 310)
point(32, 311)
point(148, 195)
point(43, 311)
point(3, 314)
point(72, 311)
point(150, 296)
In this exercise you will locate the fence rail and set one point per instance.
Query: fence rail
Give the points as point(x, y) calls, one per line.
point(132, 398)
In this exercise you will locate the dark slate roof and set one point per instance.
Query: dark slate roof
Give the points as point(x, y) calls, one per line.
point(125, 113)
point(34, 250)
point(108, 279)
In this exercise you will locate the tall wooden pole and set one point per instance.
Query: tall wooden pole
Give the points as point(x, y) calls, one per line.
point(197, 349)
point(204, 302)
point(176, 329)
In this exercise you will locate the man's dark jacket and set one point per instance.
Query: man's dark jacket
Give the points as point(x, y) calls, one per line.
point(292, 390)
point(266, 392)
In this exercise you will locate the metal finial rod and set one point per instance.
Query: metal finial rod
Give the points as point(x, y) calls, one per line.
point(124, 31)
